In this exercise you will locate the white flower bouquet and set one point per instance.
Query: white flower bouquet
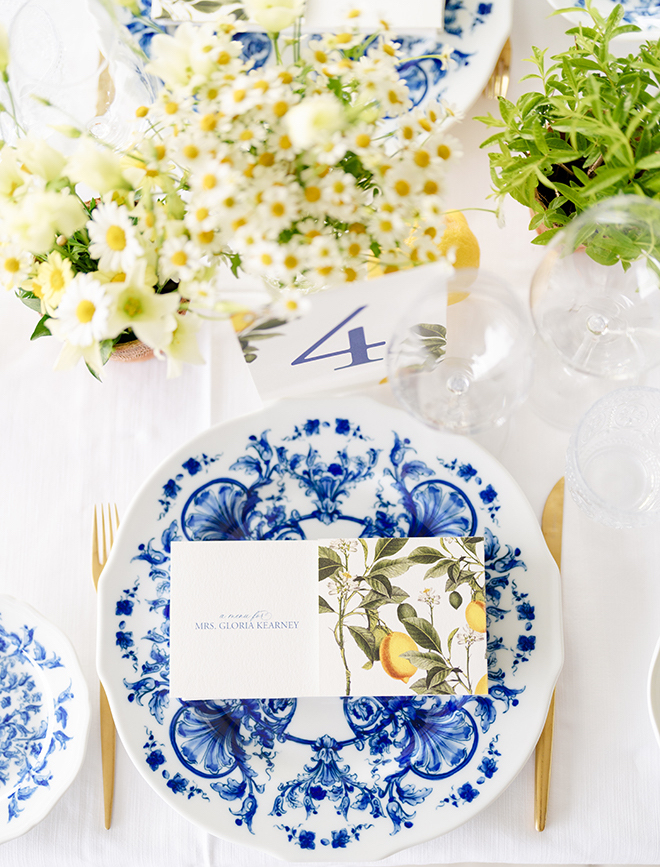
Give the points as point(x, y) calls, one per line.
point(304, 173)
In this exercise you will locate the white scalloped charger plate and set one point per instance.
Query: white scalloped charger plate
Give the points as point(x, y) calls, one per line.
point(44, 717)
point(315, 779)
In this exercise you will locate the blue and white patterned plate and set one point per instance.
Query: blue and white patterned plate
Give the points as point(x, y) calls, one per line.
point(476, 31)
point(44, 717)
point(307, 779)
point(644, 13)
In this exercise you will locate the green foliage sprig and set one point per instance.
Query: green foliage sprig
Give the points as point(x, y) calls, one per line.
point(591, 133)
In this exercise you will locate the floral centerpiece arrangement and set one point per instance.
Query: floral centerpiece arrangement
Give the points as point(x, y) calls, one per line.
point(592, 132)
point(300, 174)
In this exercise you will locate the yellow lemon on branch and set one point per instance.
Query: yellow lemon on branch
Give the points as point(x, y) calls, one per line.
point(391, 648)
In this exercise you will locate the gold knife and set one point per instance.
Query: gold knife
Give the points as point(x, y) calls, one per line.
point(551, 526)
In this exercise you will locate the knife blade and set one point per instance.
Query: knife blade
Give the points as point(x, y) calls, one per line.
point(551, 526)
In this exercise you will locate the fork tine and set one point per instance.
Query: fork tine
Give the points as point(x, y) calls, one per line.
point(95, 537)
point(103, 521)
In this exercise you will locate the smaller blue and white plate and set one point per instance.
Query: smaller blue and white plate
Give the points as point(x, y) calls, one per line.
point(475, 30)
point(44, 717)
point(645, 14)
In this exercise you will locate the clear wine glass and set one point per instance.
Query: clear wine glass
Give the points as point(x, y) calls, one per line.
point(470, 375)
point(595, 301)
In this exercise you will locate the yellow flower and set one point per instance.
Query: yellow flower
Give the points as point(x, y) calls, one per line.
point(53, 276)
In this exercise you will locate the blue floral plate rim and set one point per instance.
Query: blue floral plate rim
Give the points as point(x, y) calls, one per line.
point(45, 715)
point(252, 801)
point(475, 29)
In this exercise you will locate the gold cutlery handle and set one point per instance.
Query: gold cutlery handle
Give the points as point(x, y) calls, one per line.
point(107, 755)
point(542, 768)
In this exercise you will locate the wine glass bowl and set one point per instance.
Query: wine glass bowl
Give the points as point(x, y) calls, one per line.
point(595, 298)
point(471, 374)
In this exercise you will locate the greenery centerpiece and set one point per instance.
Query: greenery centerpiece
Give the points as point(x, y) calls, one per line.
point(299, 174)
point(592, 132)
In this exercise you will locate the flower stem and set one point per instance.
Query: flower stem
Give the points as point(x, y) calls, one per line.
point(276, 46)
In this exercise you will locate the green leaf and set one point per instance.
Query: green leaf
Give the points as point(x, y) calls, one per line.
point(439, 686)
point(419, 686)
point(365, 551)
point(41, 329)
point(106, 347)
point(426, 661)
point(369, 664)
point(29, 299)
point(606, 178)
point(440, 568)
point(398, 594)
point(455, 600)
point(374, 600)
point(380, 584)
point(390, 568)
point(450, 639)
point(425, 554)
point(330, 554)
point(423, 634)
point(650, 162)
point(388, 547)
point(327, 568)
point(324, 607)
point(405, 612)
point(365, 641)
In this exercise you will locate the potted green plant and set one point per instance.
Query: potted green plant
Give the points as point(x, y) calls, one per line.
point(592, 132)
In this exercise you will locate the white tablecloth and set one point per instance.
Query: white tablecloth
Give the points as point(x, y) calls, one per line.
point(69, 442)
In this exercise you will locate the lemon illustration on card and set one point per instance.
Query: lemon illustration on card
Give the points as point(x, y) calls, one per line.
point(397, 617)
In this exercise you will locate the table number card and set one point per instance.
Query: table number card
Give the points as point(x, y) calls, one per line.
point(346, 617)
point(342, 341)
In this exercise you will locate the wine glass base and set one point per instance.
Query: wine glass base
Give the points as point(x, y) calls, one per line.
point(559, 395)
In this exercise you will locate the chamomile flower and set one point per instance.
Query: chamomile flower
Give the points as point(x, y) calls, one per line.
point(179, 259)
point(83, 314)
point(291, 303)
point(15, 264)
point(113, 239)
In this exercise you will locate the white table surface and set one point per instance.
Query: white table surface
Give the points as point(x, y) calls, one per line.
point(69, 442)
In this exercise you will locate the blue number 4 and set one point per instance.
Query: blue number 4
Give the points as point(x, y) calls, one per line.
point(357, 345)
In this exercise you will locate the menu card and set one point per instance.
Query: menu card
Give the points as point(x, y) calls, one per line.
point(342, 617)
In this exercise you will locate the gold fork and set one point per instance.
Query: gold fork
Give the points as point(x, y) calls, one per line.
point(498, 83)
point(105, 533)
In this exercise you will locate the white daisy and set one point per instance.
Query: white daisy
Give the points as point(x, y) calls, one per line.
point(14, 265)
point(83, 313)
point(179, 259)
point(113, 239)
point(291, 304)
